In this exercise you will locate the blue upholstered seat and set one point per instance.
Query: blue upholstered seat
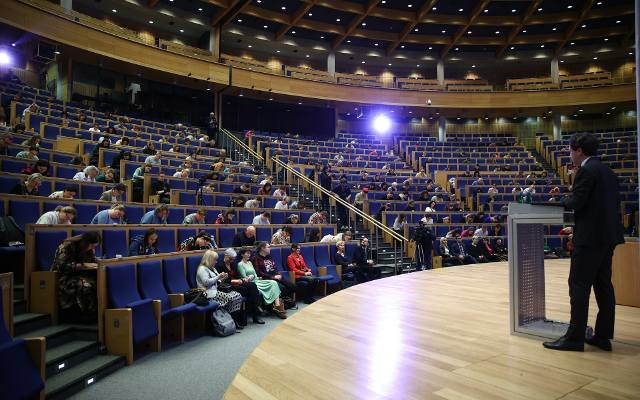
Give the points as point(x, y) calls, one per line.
point(151, 287)
point(122, 293)
point(114, 241)
point(307, 253)
point(225, 236)
point(175, 281)
point(193, 262)
point(47, 243)
point(24, 212)
point(263, 234)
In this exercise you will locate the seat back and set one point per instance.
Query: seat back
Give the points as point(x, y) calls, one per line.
point(323, 258)
point(176, 216)
point(225, 237)
point(173, 272)
point(134, 214)
point(150, 282)
point(5, 337)
point(47, 243)
point(114, 241)
point(85, 213)
point(166, 240)
point(285, 255)
point(297, 234)
point(263, 234)
point(121, 285)
point(185, 233)
point(193, 262)
point(309, 257)
point(24, 212)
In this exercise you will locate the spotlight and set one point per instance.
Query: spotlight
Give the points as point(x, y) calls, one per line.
point(5, 59)
point(381, 123)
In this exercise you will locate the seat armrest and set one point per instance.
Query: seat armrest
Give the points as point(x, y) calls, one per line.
point(118, 326)
point(176, 299)
point(36, 347)
point(292, 276)
point(44, 294)
point(322, 271)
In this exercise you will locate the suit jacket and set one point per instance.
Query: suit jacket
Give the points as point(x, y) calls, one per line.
point(360, 256)
point(595, 201)
point(457, 249)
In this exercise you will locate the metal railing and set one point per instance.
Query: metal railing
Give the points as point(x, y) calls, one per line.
point(301, 181)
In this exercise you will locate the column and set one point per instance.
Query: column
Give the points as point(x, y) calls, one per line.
point(557, 126)
point(67, 5)
point(331, 63)
point(555, 70)
point(440, 72)
point(214, 42)
point(442, 129)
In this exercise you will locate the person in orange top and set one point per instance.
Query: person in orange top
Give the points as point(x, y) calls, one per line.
point(296, 264)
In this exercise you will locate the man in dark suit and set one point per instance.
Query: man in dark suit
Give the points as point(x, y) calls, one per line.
point(598, 230)
point(365, 266)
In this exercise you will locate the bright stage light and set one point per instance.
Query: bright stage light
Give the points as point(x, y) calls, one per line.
point(4, 58)
point(381, 123)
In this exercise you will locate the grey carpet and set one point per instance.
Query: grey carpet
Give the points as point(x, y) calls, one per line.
point(200, 368)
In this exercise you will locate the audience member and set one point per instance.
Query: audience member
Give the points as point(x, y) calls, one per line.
point(39, 167)
point(458, 250)
point(246, 288)
point(245, 238)
point(302, 273)
point(313, 235)
point(107, 176)
point(319, 217)
point(196, 218)
point(76, 264)
point(68, 192)
point(161, 188)
point(329, 238)
point(366, 269)
point(156, 216)
point(282, 236)
point(5, 140)
point(424, 239)
point(265, 190)
point(262, 219)
point(340, 258)
point(114, 195)
point(112, 216)
point(31, 153)
point(208, 278)
point(30, 187)
point(87, 175)
point(143, 245)
point(226, 218)
point(477, 251)
point(269, 289)
point(343, 191)
point(448, 258)
point(202, 241)
point(266, 268)
point(282, 204)
point(60, 216)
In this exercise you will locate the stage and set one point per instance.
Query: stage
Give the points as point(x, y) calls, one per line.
point(440, 334)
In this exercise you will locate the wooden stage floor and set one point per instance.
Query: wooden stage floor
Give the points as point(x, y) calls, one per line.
point(441, 334)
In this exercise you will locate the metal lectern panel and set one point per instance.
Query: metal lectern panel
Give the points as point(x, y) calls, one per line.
point(530, 270)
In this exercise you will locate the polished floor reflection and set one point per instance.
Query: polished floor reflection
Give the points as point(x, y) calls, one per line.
point(439, 334)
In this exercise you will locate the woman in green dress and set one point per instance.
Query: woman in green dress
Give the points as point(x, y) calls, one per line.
point(268, 289)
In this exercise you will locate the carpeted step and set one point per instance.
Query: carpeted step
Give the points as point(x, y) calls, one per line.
point(69, 355)
point(27, 322)
point(19, 306)
point(86, 373)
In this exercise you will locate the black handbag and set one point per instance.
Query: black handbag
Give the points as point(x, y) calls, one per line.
point(196, 296)
point(225, 287)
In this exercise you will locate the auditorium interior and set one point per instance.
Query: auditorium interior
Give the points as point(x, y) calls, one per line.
point(308, 199)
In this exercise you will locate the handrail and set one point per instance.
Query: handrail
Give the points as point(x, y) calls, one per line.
point(242, 144)
point(313, 184)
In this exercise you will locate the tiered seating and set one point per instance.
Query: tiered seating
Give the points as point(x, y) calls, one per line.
point(309, 74)
point(585, 80)
point(250, 64)
point(541, 83)
point(419, 84)
point(359, 80)
point(468, 85)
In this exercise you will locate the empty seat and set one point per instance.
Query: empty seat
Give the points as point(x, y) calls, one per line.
point(85, 213)
point(276, 254)
point(24, 212)
point(151, 287)
point(263, 233)
point(173, 272)
point(297, 234)
point(225, 237)
point(246, 216)
point(176, 216)
point(134, 214)
point(185, 233)
point(114, 241)
point(143, 319)
point(166, 240)
point(91, 192)
point(47, 243)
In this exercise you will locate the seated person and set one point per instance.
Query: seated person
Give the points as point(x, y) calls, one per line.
point(458, 250)
point(31, 153)
point(282, 236)
point(112, 216)
point(266, 268)
point(296, 264)
point(30, 187)
point(202, 241)
point(76, 264)
point(114, 195)
point(39, 167)
point(196, 218)
point(246, 288)
point(319, 217)
point(262, 219)
point(313, 235)
point(156, 216)
point(245, 238)
point(68, 193)
point(448, 259)
point(107, 176)
point(269, 289)
point(87, 175)
point(341, 259)
point(242, 189)
point(365, 265)
point(227, 218)
point(292, 219)
point(162, 189)
point(476, 250)
point(346, 236)
point(60, 216)
point(208, 278)
point(143, 245)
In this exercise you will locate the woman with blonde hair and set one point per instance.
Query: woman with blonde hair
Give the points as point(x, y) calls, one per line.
point(208, 278)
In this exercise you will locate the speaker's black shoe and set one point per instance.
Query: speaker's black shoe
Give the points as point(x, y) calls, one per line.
point(602, 344)
point(564, 344)
point(257, 320)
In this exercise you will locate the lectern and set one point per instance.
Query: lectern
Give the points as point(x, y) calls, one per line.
point(526, 269)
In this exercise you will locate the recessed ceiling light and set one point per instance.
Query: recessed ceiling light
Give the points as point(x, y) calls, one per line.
point(241, 95)
point(389, 64)
point(569, 6)
point(349, 41)
point(409, 5)
point(460, 9)
point(283, 8)
point(562, 61)
point(434, 8)
point(114, 10)
point(199, 8)
point(299, 103)
point(57, 52)
point(13, 45)
point(416, 30)
point(486, 10)
point(277, 51)
point(307, 56)
point(443, 31)
point(239, 20)
point(364, 24)
point(321, 37)
point(613, 108)
point(540, 9)
point(208, 89)
point(181, 30)
point(384, 2)
point(418, 65)
point(618, 21)
point(580, 110)
point(584, 25)
point(265, 26)
point(469, 33)
point(375, 44)
point(249, 46)
point(310, 14)
point(402, 47)
point(337, 19)
point(271, 99)
point(554, 29)
point(630, 53)
point(259, 1)
point(151, 22)
point(513, 10)
point(362, 62)
point(430, 47)
point(595, 58)
point(457, 48)
point(473, 66)
point(293, 32)
point(606, 39)
point(524, 31)
point(512, 47)
point(599, 3)
point(497, 32)
point(608, 113)
point(572, 43)
point(542, 46)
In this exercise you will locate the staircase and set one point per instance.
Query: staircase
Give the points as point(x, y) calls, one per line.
point(74, 359)
point(391, 261)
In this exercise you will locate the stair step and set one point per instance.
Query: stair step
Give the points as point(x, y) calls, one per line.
point(74, 379)
point(56, 335)
point(26, 322)
point(18, 291)
point(68, 355)
point(19, 306)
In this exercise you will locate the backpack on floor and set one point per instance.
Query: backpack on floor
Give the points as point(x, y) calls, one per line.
point(223, 324)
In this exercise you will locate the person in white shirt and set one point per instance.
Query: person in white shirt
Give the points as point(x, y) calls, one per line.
point(182, 173)
point(252, 203)
point(62, 215)
point(342, 236)
point(32, 109)
point(69, 192)
point(262, 219)
point(431, 207)
point(265, 180)
point(154, 159)
point(281, 192)
point(283, 204)
point(87, 175)
point(94, 129)
point(481, 232)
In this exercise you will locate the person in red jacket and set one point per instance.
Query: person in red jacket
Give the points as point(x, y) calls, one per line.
point(296, 264)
